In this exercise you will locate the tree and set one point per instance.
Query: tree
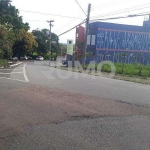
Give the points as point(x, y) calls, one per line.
point(9, 16)
point(6, 42)
point(13, 31)
point(42, 38)
point(24, 44)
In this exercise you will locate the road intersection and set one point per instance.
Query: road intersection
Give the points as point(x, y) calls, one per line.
point(15, 73)
point(41, 112)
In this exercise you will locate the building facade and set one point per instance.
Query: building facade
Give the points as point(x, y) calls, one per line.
point(109, 41)
point(80, 31)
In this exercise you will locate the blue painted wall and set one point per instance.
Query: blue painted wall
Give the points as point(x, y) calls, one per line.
point(112, 40)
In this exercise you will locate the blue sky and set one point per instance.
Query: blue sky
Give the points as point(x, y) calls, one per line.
point(70, 8)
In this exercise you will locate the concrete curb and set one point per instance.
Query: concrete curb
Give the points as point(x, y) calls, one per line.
point(19, 63)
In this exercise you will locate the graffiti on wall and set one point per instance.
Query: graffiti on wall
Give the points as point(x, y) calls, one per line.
point(123, 40)
point(116, 57)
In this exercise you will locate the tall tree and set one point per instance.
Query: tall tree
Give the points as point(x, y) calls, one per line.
point(12, 29)
point(9, 16)
point(42, 38)
point(24, 44)
point(6, 42)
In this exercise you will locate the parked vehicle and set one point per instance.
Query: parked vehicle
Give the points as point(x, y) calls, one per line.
point(14, 58)
point(64, 62)
point(40, 58)
point(28, 57)
point(24, 58)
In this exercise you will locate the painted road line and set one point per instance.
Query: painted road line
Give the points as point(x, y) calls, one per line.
point(11, 73)
point(9, 69)
point(5, 69)
point(24, 73)
point(13, 79)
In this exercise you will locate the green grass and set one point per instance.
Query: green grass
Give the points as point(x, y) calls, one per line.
point(3, 62)
point(130, 70)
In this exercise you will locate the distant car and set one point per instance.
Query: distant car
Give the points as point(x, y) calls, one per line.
point(40, 58)
point(30, 58)
point(14, 58)
point(23, 58)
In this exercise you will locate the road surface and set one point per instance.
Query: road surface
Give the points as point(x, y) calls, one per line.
point(41, 108)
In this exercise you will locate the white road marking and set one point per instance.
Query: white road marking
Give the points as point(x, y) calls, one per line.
point(10, 69)
point(24, 73)
point(11, 73)
point(5, 69)
point(13, 79)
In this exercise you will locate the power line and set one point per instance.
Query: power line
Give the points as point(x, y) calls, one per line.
point(120, 17)
point(108, 5)
point(81, 7)
point(72, 28)
point(49, 14)
point(70, 22)
point(123, 11)
point(104, 19)
point(34, 20)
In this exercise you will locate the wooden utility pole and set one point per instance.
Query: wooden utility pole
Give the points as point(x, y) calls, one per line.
point(50, 40)
point(86, 35)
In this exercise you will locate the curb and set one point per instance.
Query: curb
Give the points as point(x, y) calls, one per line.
point(16, 64)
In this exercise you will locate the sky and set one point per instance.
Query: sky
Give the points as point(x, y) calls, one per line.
point(67, 14)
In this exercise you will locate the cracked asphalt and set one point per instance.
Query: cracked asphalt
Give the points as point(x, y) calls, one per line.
point(50, 112)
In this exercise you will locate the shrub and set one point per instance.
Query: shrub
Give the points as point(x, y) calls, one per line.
point(46, 56)
point(3, 62)
point(145, 74)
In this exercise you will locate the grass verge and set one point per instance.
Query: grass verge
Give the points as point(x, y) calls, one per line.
point(3, 63)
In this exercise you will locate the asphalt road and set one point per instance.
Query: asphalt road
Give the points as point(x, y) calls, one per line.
point(41, 108)
point(101, 87)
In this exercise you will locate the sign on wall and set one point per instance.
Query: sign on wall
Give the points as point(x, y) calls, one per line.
point(70, 47)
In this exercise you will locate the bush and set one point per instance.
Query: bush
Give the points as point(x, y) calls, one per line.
point(138, 69)
point(54, 55)
point(46, 56)
point(106, 68)
point(145, 74)
point(3, 62)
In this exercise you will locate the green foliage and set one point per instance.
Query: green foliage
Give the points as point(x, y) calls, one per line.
point(63, 48)
point(137, 70)
point(6, 42)
point(9, 15)
point(106, 68)
point(54, 55)
point(144, 74)
point(24, 44)
point(134, 70)
point(42, 39)
point(11, 27)
point(3, 63)
point(46, 56)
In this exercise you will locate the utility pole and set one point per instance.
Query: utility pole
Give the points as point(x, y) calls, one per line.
point(86, 35)
point(50, 40)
